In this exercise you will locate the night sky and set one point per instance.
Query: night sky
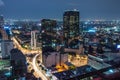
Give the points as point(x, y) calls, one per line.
point(37, 9)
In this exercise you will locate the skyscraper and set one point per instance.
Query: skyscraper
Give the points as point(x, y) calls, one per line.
point(1, 21)
point(49, 41)
point(48, 33)
point(71, 24)
point(3, 33)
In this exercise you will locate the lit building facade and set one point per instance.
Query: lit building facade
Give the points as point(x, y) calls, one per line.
point(34, 37)
point(5, 47)
point(53, 58)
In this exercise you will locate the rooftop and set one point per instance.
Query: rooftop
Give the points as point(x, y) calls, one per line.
point(79, 71)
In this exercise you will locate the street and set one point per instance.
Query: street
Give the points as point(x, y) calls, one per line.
point(37, 70)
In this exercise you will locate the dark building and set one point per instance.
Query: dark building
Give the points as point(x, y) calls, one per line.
point(48, 34)
point(1, 20)
point(18, 63)
point(48, 43)
point(49, 38)
point(48, 25)
point(71, 24)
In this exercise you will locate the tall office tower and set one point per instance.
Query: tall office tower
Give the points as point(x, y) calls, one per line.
point(48, 33)
point(48, 25)
point(3, 33)
point(1, 21)
point(71, 24)
point(34, 37)
point(48, 40)
point(5, 47)
point(48, 47)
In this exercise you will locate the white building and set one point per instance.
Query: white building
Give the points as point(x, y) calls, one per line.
point(53, 58)
point(34, 39)
point(5, 47)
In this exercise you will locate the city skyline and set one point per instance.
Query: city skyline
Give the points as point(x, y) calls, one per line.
point(52, 41)
point(30, 9)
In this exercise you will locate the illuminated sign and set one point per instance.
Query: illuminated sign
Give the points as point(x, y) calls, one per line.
point(91, 30)
point(118, 46)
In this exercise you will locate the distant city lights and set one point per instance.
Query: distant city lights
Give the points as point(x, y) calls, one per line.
point(6, 27)
point(111, 71)
point(118, 46)
point(91, 30)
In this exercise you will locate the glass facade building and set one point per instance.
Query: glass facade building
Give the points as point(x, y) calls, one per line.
point(71, 24)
